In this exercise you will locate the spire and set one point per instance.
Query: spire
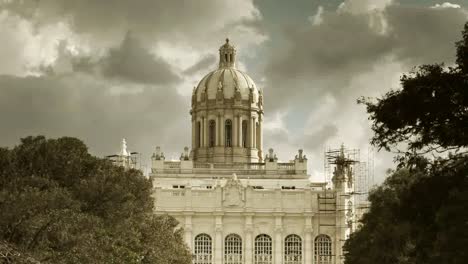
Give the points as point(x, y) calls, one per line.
point(227, 56)
point(123, 149)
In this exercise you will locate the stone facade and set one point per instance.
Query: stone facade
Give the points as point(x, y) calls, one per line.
point(238, 206)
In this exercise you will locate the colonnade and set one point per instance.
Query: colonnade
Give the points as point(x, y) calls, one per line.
point(239, 125)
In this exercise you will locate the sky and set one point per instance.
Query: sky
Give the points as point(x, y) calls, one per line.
point(104, 71)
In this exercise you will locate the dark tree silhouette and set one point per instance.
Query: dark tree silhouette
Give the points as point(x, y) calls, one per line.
point(59, 204)
point(419, 213)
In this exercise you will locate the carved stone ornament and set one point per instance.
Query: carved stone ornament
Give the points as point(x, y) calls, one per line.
point(233, 193)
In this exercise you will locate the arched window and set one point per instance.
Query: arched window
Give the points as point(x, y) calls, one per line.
point(292, 249)
point(323, 250)
point(198, 134)
point(228, 131)
point(263, 250)
point(244, 133)
point(233, 249)
point(202, 249)
point(212, 133)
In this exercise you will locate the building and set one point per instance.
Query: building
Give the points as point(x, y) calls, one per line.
point(238, 204)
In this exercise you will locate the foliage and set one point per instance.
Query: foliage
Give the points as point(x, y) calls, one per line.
point(418, 215)
point(59, 204)
point(429, 113)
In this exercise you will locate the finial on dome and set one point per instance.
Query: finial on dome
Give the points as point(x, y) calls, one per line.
point(227, 40)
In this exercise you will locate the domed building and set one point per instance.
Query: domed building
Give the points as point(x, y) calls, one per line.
point(227, 114)
point(237, 204)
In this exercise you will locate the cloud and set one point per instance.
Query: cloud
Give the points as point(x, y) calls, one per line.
point(363, 6)
point(81, 105)
point(317, 19)
point(356, 51)
point(446, 5)
point(206, 63)
point(176, 20)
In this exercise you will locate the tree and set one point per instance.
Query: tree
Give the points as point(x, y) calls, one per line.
point(429, 113)
point(60, 204)
point(419, 214)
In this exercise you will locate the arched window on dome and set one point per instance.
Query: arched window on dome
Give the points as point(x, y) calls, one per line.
point(233, 249)
point(244, 133)
point(263, 250)
point(198, 134)
point(292, 249)
point(228, 132)
point(212, 133)
point(202, 249)
point(323, 250)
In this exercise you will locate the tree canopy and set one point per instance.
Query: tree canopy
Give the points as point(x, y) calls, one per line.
point(418, 215)
point(59, 204)
point(429, 112)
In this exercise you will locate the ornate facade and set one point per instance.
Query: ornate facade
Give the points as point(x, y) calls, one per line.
point(237, 204)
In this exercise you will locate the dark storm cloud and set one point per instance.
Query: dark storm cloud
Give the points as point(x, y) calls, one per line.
point(325, 58)
point(106, 21)
point(82, 106)
point(128, 62)
point(131, 61)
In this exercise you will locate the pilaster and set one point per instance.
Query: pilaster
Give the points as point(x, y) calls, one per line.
point(218, 249)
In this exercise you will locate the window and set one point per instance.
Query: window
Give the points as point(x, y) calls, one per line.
point(233, 249)
point(212, 134)
point(288, 187)
point(292, 249)
point(323, 250)
point(263, 250)
point(244, 133)
point(198, 134)
point(202, 249)
point(258, 187)
point(226, 57)
point(228, 131)
point(178, 186)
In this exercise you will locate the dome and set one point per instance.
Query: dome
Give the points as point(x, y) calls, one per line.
point(229, 80)
point(226, 79)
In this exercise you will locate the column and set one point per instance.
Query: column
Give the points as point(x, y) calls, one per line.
point(188, 231)
point(278, 245)
point(251, 142)
point(260, 136)
point(194, 123)
point(218, 131)
point(239, 127)
point(254, 133)
point(202, 132)
point(218, 246)
point(235, 123)
point(308, 248)
point(222, 133)
point(248, 239)
point(205, 132)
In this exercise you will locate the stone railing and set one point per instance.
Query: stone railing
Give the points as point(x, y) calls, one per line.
point(257, 168)
point(271, 166)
